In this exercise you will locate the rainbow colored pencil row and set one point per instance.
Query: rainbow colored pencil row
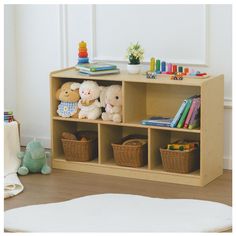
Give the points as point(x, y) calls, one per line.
point(161, 67)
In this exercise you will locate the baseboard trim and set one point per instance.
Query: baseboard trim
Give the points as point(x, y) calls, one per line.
point(46, 142)
point(227, 163)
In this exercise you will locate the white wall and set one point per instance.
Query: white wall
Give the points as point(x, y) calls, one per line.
point(38, 53)
point(10, 91)
point(47, 38)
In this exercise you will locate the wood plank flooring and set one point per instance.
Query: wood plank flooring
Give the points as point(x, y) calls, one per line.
point(64, 185)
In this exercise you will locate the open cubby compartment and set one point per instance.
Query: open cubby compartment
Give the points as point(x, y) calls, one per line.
point(109, 134)
point(67, 126)
point(160, 138)
point(143, 100)
point(57, 82)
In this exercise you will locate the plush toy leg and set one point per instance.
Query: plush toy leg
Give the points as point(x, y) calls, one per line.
point(117, 118)
point(75, 115)
point(94, 114)
point(81, 115)
point(106, 116)
point(46, 169)
point(23, 170)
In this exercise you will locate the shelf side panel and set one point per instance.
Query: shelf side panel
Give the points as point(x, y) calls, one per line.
point(212, 129)
point(157, 139)
point(107, 135)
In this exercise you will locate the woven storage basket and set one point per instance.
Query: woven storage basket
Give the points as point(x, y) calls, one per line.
point(130, 155)
point(76, 150)
point(180, 161)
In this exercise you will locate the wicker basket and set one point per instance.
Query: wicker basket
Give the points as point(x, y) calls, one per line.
point(180, 161)
point(76, 150)
point(130, 155)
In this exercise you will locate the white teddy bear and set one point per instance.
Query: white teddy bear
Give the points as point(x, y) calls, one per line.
point(112, 100)
point(89, 105)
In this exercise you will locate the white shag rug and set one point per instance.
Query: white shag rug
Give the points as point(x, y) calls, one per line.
point(121, 213)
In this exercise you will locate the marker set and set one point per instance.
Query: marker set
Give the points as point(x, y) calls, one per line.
point(161, 67)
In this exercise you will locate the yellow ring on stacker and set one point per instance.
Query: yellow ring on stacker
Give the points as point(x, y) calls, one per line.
point(82, 44)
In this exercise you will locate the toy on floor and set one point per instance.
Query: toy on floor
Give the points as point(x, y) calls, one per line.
point(34, 159)
point(89, 105)
point(68, 95)
point(83, 53)
point(113, 103)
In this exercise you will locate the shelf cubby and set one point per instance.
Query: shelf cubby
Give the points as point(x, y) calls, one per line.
point(109, 134)
point(159, 139)
point(143, 98)
point(68, 126)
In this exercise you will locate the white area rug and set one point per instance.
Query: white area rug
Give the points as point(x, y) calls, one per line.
point(121, 213)
point(12, 184)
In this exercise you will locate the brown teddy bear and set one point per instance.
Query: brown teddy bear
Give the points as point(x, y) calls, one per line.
point(69, 96)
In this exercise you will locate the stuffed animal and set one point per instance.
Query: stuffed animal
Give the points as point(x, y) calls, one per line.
point(112, 97)
point(69, 96)
point(34, 159)
point(89, 105)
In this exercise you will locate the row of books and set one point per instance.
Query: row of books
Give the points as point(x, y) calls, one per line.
point(97, 69)
point(188, 116)
point(8, 116)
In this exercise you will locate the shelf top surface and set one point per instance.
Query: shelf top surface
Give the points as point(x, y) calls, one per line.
point(72, 73)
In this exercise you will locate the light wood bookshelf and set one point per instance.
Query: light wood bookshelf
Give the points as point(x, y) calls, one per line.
point(143, 98)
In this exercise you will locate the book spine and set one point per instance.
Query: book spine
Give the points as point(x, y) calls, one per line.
point(185, 113)
point(178, 114)
point(186, 123)
point(8, 113)
point(195, 111)
point(94, 69)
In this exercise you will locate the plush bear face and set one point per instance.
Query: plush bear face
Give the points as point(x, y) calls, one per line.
point(89, 90)
point(114, 95)
point(69, 92)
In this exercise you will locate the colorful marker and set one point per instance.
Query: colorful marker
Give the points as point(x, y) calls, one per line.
point(180, 69)
point(163, 66)
point(152, 64)
point(174, 69)
point(169, 67)
point(186, 70)
point(158, 65)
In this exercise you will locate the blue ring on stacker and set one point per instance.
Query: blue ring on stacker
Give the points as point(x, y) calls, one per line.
point(83, 60)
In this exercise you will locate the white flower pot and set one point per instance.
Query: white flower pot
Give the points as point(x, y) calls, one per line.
point(134, 69)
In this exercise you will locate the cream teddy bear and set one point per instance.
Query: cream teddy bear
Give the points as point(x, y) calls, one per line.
point(112, 101)
point(89, 105)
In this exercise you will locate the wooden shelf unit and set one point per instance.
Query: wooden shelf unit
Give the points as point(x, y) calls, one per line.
point(143, 98)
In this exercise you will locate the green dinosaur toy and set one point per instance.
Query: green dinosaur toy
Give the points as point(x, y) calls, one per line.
point(34, 159)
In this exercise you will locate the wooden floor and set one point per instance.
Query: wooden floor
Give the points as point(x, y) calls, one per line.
point(64, 185)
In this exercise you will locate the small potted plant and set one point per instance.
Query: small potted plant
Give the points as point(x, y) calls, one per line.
point(135, 56)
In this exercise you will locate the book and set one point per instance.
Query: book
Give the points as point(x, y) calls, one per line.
point(185, 113)
point(93, 67)
point(105, 72)
point(178, 114)
point(8, 113)
point(158, 121)
point(194, 103)
point(195, 118)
